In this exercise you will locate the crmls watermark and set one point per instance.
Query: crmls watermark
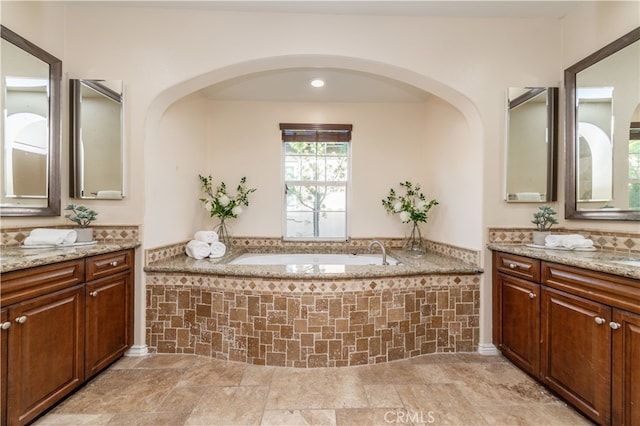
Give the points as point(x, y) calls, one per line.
point(403, 416)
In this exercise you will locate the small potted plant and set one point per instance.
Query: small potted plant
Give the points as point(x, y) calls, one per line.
point(543, 219)
point(83, 216)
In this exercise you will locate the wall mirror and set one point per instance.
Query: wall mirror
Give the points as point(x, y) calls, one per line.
point(30, 127)
point(603, 146)
point(532, 134)
point(96, 139)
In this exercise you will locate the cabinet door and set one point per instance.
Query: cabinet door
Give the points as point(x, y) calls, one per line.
point(519, 317)
point(4, 334)
point(108, 320)
point(46, 346)
point(576, 352)
point(626, 368)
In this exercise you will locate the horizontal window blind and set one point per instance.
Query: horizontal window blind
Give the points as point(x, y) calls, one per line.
point(301, 132)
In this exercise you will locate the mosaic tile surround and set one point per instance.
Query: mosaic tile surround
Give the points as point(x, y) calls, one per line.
point(623, 242)
point(312, 324)
point(101, 233)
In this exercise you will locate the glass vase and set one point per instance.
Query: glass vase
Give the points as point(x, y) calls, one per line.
point(224, 233)
point(413, 243)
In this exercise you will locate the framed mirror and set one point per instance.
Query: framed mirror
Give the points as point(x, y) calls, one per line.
point(96, 139)
point(603, 147)
point(30, 155)
point(532, 140)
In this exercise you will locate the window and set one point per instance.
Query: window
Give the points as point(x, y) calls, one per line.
point(316, 177)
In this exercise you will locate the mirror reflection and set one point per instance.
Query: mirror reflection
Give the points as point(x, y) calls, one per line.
point(30, 128)
point(603, 153)
point(531, 144)
point(97, 147)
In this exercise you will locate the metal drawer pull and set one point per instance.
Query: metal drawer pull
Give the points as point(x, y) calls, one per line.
point(600, 320)
point(22, 319)
point(614, 325)
point(93, 294)
point(114, 263)
point(532, 295)
point(5, 325)
point(512, 266)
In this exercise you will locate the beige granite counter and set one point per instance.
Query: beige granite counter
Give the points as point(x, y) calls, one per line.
point(602, 261)
point(429, 264)
point(15, 258)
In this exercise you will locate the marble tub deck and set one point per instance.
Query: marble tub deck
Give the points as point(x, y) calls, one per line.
point(460, 389)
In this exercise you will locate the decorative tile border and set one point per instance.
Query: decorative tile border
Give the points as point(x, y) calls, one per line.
point(625, 242)
point(101, 233)
point(353, 245)
point(309, 323)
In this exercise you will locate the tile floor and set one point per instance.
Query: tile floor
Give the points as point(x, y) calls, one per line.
point(451, 389)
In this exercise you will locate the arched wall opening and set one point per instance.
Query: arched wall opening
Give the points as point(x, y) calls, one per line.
point(181, 141)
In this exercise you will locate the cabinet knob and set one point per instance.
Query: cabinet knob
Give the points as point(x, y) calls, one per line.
point(114, 263)
point(614, 325)
point(93, 294)
point(5, 325)
point(22, 319)
point(512, 266)
point(532, 295)
point(600, 320)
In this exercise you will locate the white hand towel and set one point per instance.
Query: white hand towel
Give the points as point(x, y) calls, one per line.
point(558, 240)
point(218, 249)
point(117, 195)
point(206, 236)
point(47, 236)
point(197, 249)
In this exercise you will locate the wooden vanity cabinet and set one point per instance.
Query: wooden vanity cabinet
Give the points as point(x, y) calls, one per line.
point(58, 334)
point(588, 331)
point(109, 310)
point(516, 310)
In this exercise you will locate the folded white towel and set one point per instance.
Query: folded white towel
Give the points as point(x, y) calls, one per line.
point(528, 196)
point(197, 249)
point(218, 249)
point(570, 241)
point(47, 236)
point(206, 236)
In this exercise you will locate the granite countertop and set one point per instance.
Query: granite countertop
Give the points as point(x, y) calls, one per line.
point(14, 258)
point(428, 264)
point(624, 265)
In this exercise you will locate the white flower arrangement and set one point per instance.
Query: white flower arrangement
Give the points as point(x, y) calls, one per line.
point(219, 203)
point(411, 207)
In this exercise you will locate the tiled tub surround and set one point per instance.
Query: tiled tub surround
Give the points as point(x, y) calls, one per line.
point(265, 315)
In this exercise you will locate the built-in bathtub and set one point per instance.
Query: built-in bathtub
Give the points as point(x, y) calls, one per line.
point(315, 259)
point(286, 314)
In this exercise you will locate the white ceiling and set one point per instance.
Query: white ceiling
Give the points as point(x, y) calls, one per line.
point(292, 85)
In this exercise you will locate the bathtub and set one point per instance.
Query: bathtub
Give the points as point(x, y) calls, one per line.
point(315, 259)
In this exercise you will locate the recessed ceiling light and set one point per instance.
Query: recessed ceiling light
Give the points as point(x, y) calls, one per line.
point(317, 82)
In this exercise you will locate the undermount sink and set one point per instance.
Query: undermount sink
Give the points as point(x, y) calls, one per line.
point(629, 262)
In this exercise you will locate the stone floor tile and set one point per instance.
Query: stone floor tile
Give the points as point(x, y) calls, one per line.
point(74, 419)
point(213, 372)
point(315, 388)
point(257, 375)
point(382, 396)
point(120, 391)
point(149, 419)
point(182, 399)
point(298, 417)
point(371, 417)
point(229, 405)
point(526, 414)
point(397, 372)
point(170, 361)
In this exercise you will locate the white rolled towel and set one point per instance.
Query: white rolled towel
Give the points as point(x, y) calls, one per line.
point(206, 236)
point(47, 236)
point(218, 249)
point(576, 244)
point(197, 249)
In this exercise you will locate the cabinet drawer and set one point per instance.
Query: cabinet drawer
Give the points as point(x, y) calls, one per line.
point(517, 266)
point(25, 284)
point(613, 290)
point(108, 264)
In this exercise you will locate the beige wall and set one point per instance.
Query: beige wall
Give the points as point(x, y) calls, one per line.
point(164, 55)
